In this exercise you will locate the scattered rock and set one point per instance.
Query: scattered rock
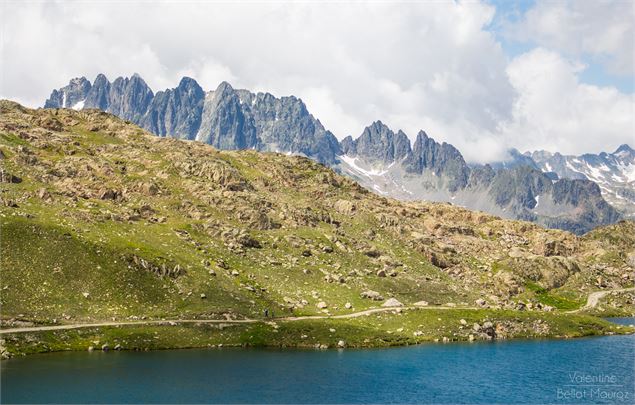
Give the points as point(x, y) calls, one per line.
point(341, 344)
point(515, 252)
point(322, 305)
point(392, 302)
point(221, 264)
point(344, 207)
point(373, 295)
point(6, 177)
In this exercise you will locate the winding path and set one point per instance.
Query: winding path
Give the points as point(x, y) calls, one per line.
point(215, 321)
point(594, 298)
point(592, 301)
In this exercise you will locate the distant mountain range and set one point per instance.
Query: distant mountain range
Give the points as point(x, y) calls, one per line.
point(557, 191)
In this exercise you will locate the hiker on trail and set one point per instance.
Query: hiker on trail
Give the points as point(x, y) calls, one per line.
point(266, 313)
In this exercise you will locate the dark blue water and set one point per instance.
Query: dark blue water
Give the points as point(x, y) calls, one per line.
point(505, 372)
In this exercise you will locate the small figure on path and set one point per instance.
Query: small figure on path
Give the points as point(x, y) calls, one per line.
point(266, 313)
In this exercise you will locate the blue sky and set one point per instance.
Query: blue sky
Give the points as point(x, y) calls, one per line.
point(510, 12)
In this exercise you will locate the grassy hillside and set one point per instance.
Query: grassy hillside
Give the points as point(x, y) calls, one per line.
point(101, 220)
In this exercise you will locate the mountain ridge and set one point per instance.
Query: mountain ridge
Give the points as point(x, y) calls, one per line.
point(380, 159)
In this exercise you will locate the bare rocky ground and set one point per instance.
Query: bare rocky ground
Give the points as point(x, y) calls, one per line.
point(102, 221)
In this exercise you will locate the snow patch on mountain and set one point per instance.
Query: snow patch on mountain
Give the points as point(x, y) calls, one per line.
point(352, 162)
point(613, 172)
point(79, 105)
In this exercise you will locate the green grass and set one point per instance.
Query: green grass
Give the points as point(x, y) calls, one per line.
point(53, 251)
point(565, 300)
point(377, 330)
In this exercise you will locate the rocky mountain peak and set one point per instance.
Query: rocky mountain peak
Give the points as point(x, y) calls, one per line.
point(624, 151)
point(130, 98)
point(70, 96)
point(80, 81)
point(378, 144)
point(176, 112)
point(187, 83)
point(223, 89)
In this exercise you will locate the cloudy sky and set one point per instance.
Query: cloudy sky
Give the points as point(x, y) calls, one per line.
point(482, 75)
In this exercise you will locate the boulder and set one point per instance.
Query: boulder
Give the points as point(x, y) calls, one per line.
point(392, 302)
point(373, 295)
point(322, 305)
point(108, 194)
point(345, 207)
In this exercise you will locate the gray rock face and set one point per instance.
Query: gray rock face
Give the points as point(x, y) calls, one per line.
point(438, 172)
point(99, 94)
point(284, 124)
point(176, 112)
point(550, 189)
point(224, 123)
point(70, 96)
point(442, 159)
point(129, 98)
point(614, 173)
point(225, 118)
point(378, 144)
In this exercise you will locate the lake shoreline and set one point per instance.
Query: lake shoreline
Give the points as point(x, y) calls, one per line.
point(422, 373)
point(374, 331)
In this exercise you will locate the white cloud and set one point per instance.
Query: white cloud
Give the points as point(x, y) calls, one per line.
point(557, 112)
point(603, 30)
point(414, 65)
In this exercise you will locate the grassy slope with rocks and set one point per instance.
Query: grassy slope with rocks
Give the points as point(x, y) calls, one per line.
point(101, 220)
